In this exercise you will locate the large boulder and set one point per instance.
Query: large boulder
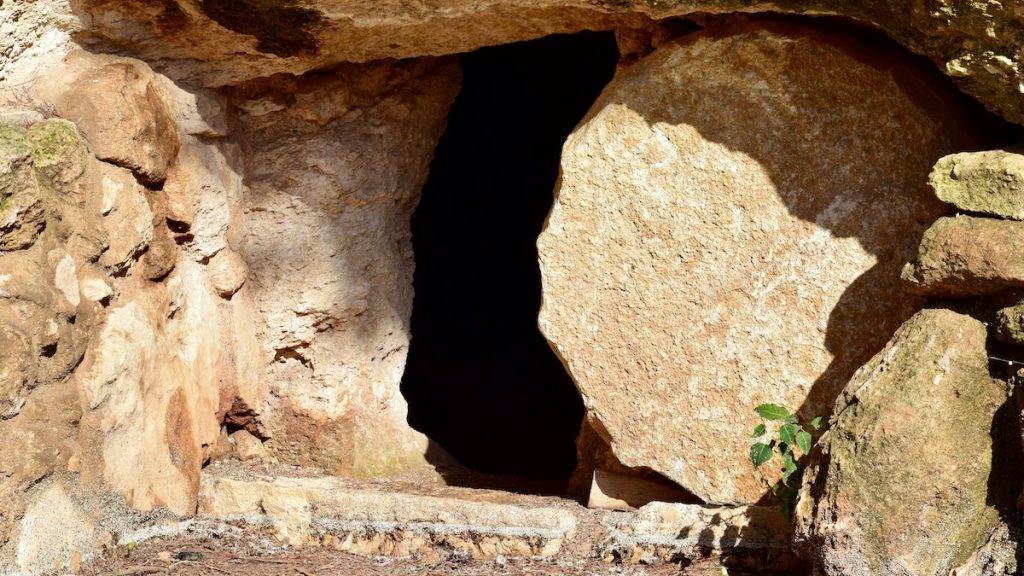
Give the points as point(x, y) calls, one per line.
point(905, 482)
point(729, 229)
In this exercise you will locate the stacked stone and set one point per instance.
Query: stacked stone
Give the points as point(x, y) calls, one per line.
point(912, 477)
point(977, 252)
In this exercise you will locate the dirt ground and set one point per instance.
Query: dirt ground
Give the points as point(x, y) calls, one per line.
point(213, 556)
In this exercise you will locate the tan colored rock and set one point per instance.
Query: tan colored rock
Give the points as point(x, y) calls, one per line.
point(129, 223)
point(363, 519)
point(989, 182)
point(201, 186)
point(227, 273)
point(890, 493)
point(218, 42)
point(53, 532)
point(247, 447)
point(118, 106)
point(150, 392)
point(333, 179)
point(671, 531)
point(697, 262)
point(968, 256)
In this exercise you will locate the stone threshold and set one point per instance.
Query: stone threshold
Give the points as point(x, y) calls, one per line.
point(430, 520)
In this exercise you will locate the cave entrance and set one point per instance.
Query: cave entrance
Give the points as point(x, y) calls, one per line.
point(481, 380)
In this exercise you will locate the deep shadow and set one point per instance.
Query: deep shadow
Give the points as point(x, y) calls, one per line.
point(480, 379)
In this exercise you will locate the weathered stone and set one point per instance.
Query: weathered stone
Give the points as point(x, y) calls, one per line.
point(227, 273)
point(998, 557)
point(220, 43)
point(161, 256)
point(697, 263)
point(116, 104)
point(59, 153)
point(333, 179)
point(129, 223)
point(892, 492)
point(150, 392)
point(248, 447)
point(200, 187)
point(990, 182)
point(22, 214)
point(54, 530)
point(967, 256)
point(363, 519)
point(672, 531)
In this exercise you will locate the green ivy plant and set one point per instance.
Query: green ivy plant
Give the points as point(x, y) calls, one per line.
point(789, 434)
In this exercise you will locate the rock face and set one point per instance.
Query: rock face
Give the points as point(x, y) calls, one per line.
point(223, 42)
point(697, 264)
point(334, 166)
point(890, 493)
point(990, 182)
point(968, 256)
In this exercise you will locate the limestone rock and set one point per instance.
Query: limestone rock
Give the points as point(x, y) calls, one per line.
point(696, 264)
point(59, 153)
point(968, 256)
point(200, 188)
point(129, 223)
point(891, 492)
point(998, 557)
point(219, 42)
point(671, 531)
point(118, 107)
point(990, 182)
point(227, 273)
point(22, 214)
point(150, 392)
point(53, 531)
point(332, 180)
point(248, 447)
point(365, 519)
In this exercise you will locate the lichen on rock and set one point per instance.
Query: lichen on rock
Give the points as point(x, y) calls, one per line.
point(901, 485)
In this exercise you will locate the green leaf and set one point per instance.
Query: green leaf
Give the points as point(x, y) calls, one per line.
point(788, 467)
point(791, 419)
point(760, 453)
point(787, 432)
point(816, 423)
point(771, 411)
point(803, 440)
point(759, 431)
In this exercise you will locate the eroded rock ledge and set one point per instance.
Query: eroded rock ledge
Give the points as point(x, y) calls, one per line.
point(218, 42)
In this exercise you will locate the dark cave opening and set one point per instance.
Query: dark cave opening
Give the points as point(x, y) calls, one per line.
point(480, 379)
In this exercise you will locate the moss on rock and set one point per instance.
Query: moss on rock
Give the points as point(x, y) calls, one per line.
point(902, 482)
point(989, 182)
point(58, 151)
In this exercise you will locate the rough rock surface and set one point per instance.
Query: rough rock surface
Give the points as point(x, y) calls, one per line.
point(697, 264)
point(891, 492)
point(989, 182)
point(55, 533)
point(221, 42)
point(118, 107)
point(968, 256)
point(118, 363)
point(334, 165)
